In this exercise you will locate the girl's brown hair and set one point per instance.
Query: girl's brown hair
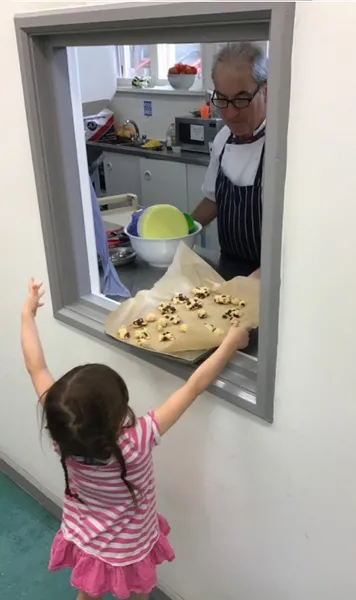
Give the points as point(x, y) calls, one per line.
point(84, 412)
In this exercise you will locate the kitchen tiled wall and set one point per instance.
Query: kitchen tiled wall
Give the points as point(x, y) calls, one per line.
point(165, 107)
point(98, 81)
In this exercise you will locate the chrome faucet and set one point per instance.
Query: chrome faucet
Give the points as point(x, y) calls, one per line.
point(130, 122)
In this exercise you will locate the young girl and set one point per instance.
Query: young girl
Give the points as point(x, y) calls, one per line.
point(111, 535)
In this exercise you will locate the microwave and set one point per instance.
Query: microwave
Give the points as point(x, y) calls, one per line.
point(195, 134)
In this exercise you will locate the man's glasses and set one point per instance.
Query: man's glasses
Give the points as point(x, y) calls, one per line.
point(237, 102)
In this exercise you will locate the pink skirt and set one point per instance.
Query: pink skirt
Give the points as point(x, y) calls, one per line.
point(97, 578)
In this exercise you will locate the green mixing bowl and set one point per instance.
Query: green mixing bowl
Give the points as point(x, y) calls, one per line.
point(190, 222)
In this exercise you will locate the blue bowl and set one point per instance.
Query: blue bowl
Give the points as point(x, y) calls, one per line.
point(133, 227)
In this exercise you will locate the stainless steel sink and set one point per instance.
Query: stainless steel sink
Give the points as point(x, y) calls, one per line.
point(132, 144)
point(129, 143)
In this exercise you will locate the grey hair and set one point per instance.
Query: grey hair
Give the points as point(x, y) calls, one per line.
point(252, 54)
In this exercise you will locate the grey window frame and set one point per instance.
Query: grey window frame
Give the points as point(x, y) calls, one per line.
point(42, 38)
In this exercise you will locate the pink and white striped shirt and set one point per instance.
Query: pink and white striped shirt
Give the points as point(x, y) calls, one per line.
point(107, 525)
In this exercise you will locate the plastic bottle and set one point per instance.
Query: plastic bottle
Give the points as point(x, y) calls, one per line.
point(171, 136)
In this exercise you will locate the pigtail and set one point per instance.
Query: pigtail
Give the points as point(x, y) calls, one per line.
point(68, 491)
point(120, 458)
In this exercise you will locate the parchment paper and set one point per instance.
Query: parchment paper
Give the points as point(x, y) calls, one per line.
point(186, 272)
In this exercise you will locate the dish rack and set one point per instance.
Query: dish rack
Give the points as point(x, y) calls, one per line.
point(116, 211)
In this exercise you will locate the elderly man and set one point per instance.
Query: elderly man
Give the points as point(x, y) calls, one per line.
point(233, 183)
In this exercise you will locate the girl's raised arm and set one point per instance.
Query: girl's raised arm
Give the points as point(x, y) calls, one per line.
point(171, 410)
point(31, 344)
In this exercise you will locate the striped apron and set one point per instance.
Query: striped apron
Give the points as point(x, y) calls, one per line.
point(239, 219)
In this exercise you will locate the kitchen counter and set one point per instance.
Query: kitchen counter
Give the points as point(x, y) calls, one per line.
point(193, 158)
point(139, 276)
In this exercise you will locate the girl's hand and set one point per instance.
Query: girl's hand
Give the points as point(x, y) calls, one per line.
point(238, 337)
point(31, 344)
point(33, 300)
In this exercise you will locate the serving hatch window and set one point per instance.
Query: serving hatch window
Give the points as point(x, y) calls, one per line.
point(82, 177)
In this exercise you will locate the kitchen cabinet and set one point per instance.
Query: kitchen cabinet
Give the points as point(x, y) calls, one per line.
point(163, 182)
point(97, 70)
point(122, 174)
point(195, 179)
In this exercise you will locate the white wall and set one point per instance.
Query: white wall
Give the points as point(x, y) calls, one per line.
point(258, 512)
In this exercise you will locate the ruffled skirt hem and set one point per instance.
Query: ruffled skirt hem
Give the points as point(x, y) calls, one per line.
point(92, 575)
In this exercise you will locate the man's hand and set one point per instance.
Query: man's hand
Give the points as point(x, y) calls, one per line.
point(205, 212)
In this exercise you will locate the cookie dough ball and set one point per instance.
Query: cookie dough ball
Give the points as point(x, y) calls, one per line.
point(214, 329)
point(174, 319)
point(123, 333)
point(201, 292)
point(166, 308)
point(194, 304)
point(162, 323)
point(183, 328)
point(238, 302)
point(151, 318)
point(202, 314)
point(222, 299)
point(142, 335)
point(232, 313)
point(166, 336)
point(227, 314)
point(180, 299)
point(235, 322)
point(138, 323)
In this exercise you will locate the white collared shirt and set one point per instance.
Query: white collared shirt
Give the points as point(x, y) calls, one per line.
point(239, 163)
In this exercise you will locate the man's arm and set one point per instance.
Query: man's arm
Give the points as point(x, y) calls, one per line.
point(205, 212)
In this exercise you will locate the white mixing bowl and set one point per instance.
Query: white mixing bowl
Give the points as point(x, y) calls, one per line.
point(160, 253)
point(181, 82)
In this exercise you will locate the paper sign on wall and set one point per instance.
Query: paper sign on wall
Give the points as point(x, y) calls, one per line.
point(147, 108)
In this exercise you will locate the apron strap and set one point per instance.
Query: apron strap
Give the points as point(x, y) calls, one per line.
point(260, 166)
